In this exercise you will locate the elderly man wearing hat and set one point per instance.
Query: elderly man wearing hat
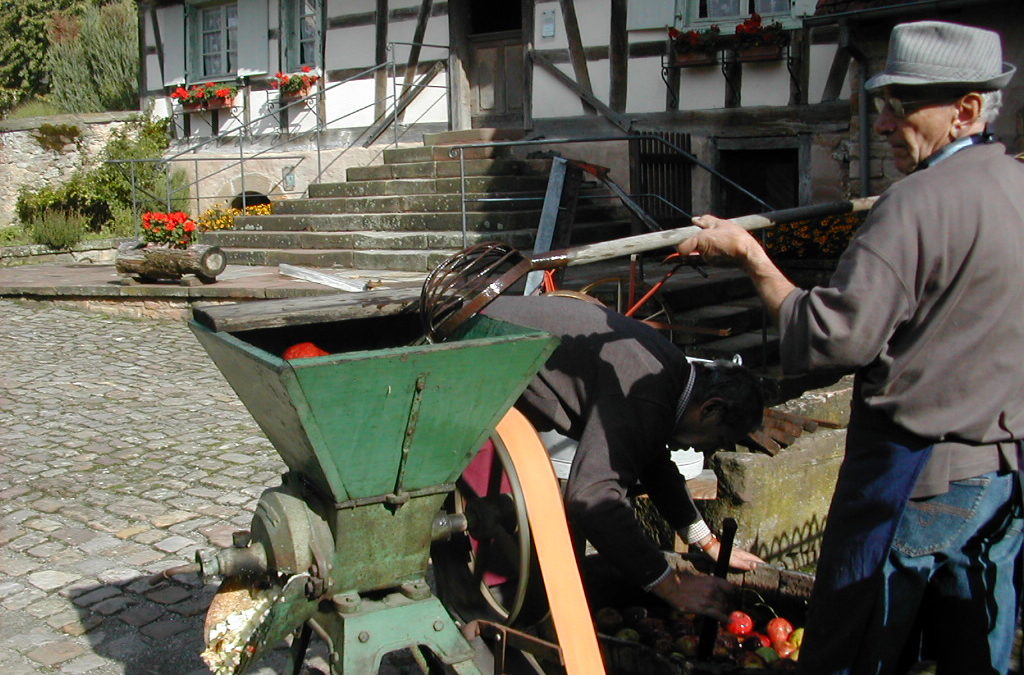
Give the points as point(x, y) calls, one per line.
point(921, 556)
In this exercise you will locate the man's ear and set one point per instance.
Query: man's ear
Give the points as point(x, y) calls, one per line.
point(712, 411)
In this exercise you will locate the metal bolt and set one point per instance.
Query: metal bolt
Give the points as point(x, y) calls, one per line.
point(364, 636)
point(439, 625)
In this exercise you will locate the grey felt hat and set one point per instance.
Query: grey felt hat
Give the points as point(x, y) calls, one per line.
point(937, 53)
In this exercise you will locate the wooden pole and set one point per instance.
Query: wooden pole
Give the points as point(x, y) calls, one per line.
point(618, 57)
point(652, 241)
point(576, 53)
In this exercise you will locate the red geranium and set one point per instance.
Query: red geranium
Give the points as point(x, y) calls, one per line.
point(295, 82)
point(173, 229)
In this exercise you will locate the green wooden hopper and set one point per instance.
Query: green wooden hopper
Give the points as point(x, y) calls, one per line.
point(374, 436)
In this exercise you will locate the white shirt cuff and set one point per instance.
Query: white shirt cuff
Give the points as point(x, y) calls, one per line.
point(695, 532)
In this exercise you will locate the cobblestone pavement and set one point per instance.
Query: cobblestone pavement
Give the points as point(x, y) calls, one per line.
point(122, 451)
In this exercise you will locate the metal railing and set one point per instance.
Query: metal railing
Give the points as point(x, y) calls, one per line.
point(458, 152)
point(248, 129)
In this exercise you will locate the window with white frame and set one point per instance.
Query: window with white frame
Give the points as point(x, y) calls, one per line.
point(213, 40)
point(302, 33)
point(699, 11)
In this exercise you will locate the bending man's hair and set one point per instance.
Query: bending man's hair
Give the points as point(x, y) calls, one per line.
point(739, 389)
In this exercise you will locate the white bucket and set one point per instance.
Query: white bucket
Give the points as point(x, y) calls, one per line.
point(563, 449)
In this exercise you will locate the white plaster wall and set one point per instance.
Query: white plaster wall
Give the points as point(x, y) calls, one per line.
point(646, 91)
point(820, 63)
point(551, 98)
point(702, 88)
point(764, 83)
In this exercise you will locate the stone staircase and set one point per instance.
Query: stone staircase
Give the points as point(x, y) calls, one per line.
point(406, 214)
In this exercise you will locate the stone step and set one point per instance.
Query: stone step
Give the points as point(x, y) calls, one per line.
point(404, 260)
point(412, 203)
point(436, 153)
point(489, 221)
point(424, 186)
point(448, 240)
point(480, 135)
point(443, 203)
point(451, 240)
point(435, 169)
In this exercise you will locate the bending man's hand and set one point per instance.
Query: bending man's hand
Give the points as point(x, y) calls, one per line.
point(738, 559)
point(724, 243)
point(695, 593)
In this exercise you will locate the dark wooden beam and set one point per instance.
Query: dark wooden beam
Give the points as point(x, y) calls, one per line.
point(576, 54)
point(370, 18)
point(414, 50)
point(587, 98)
point(528, 28)
point(618, 57)
point(380, 55)
point(836, 75)
point(459, 110)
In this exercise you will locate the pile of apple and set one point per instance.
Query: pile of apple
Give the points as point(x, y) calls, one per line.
point(771, 645)
point(778, 647)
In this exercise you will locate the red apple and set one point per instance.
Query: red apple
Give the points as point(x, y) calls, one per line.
point(779, 629)
point(740, 623)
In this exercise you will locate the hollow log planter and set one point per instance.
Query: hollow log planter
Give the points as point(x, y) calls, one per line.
point(151, 263)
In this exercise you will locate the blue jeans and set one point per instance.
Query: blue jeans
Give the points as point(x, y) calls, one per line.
point(952, 581)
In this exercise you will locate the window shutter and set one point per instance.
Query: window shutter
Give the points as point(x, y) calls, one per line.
point(171, 23)
point(253, 43)
point(644, 14)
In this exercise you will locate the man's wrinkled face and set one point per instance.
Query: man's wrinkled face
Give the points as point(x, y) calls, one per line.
point(915, 129)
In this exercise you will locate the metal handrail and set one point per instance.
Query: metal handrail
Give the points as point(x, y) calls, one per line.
point(246, 129)
point(458, 152)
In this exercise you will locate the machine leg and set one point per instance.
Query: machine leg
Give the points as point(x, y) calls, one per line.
point(361, 638)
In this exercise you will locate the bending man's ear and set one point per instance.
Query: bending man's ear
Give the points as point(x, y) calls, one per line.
point(712, 411)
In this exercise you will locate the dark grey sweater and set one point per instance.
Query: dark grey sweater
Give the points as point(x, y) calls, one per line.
point(927, 305)
point(612, 385)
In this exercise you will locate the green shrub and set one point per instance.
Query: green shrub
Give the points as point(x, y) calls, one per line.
point(56, 136)
point(33, 107)
point(105, 194)
point(59, 229)
point(94, 59)
point(14, 235)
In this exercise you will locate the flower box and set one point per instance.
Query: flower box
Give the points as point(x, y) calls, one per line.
point(759, 53)
point(695, 58)
point(209, 96)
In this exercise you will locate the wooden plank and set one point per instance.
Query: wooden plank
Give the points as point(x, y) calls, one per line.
point(307, 310)
point(612, 116)
point(380, 55)
point(618, 57)
point(576, 54)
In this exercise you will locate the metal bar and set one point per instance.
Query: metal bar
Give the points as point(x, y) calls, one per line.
point(410, 433)
point(462, 188)
point(548, 219)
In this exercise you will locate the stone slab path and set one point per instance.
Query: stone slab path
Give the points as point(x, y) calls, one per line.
point(122, 451)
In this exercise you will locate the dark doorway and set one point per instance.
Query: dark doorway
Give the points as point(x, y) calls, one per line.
point(495, 16)
point(770, 174)
point(249, 198)
point(496, 73)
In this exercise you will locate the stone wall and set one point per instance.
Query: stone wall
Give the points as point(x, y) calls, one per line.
point(24, 161)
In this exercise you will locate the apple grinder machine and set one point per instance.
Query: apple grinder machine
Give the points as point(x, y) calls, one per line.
point(375, 437)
